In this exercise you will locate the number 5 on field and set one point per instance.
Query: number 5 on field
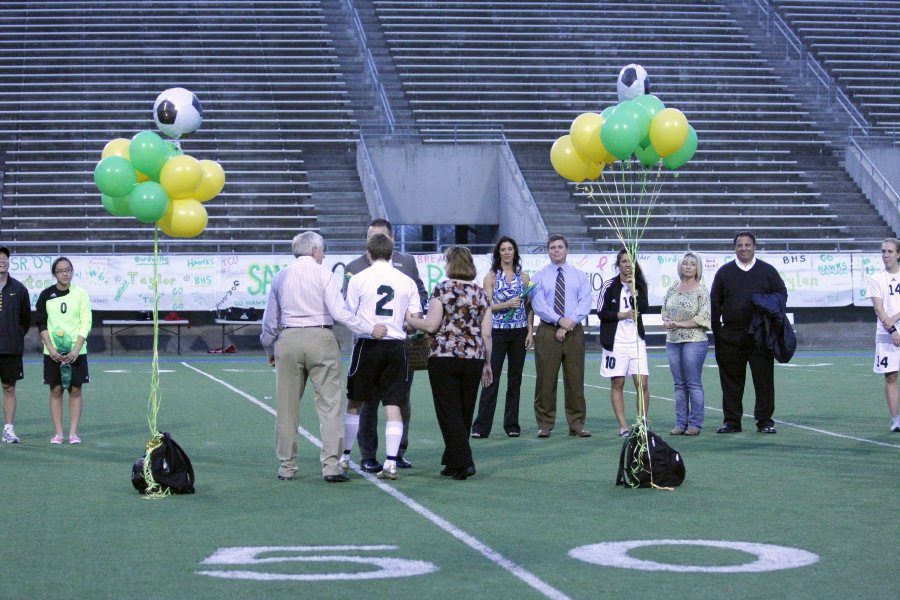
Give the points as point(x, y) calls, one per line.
point(255, 556)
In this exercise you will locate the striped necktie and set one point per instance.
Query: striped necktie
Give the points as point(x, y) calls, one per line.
point(559, 298)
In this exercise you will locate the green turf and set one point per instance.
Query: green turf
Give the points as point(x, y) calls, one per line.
point(827, 483)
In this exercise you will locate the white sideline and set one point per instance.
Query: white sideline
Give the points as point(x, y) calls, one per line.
point(469, 540)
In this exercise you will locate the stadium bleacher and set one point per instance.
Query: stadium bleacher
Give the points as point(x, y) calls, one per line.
point(74, 75)
point(284, 109)
point(529, 70)
point(856, 41)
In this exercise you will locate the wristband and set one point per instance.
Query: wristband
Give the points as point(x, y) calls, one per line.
point(892, 329)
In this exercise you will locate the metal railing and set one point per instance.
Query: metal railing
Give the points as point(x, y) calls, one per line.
point(371, 67)
point(369, 180)
point(809, 64)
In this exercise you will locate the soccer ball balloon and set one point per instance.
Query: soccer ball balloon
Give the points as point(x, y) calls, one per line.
point(633, 81)
point(177, 112)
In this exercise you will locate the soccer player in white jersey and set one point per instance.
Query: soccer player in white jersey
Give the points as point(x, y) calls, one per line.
point(884, 290)
point(380, 294)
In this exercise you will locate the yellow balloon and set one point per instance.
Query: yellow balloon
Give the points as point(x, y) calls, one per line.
point(116, 147)
point(180, 176)
point(668, 131)
point(594, 170)
point(566, 161)
point(212, 181)
point(187, 219)
point(585, 134)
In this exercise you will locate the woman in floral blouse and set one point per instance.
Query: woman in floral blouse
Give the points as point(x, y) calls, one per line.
point(686, 315)
point(459, 316)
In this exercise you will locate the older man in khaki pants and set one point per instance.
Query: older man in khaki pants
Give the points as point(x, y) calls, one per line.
point(297, 334)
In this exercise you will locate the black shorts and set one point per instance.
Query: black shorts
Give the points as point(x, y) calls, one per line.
point(11, 369)
point(80, 374)
point(378, 372)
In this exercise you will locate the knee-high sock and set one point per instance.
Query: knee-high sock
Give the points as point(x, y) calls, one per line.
point(351, 426)
point(393, 433)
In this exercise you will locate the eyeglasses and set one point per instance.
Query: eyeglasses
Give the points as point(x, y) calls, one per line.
point(62, 271)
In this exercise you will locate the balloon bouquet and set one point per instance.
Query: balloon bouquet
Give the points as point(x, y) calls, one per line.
point(153, 180)
point(635, 139)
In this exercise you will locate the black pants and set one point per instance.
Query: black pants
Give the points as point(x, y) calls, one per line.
point(506, 342)
point(734, 350)
point(454, 386)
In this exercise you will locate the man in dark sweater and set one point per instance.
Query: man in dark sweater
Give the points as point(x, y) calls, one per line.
point(15, 319)
point(368, 416)
point(732, 310)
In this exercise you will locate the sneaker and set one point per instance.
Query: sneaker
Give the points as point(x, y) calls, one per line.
point(895, 427)
point(74, 439)
point(388, 472)
point(9, 436)
point(56, 439)
point(344, 463)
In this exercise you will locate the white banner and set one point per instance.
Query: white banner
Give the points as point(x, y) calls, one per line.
point(210, 282)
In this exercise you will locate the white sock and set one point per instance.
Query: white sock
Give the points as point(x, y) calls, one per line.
point(8, 427)
point(393, 433)
point(351, 427)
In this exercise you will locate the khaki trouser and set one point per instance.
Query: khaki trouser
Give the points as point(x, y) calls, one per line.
point(301, 353)
point(549, 355)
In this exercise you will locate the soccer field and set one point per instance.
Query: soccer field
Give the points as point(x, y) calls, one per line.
point(807, 513)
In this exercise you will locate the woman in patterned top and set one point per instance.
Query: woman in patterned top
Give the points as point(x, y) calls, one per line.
point(686, 316)
point(512, 319)
point(459, 316)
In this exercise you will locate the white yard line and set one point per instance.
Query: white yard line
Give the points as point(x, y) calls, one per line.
point(492, 555)
point(778, 421)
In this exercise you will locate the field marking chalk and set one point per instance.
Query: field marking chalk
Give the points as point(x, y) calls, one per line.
point(492, 555)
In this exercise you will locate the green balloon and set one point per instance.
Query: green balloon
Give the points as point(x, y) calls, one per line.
point(650, 103)
point(115, 176)
point(608, 111)
point(639, 114)
point(148, 202)
point(683, 154)
point(172, 149)
point(620, 135)
point(117, 207)
point(647, 156)
point(148, 153)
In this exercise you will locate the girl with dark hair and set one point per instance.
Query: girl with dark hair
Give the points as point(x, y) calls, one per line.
point(64, 321)
point(511, 334)
point(622, 335)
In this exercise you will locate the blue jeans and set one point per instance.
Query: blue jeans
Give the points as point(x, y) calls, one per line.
point(686, 363)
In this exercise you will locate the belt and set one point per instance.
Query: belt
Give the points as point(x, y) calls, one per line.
point(311, 327)
point(543, 322)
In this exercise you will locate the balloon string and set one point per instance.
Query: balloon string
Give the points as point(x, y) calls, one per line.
point(153, 403)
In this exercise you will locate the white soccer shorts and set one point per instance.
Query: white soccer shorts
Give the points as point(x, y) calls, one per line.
point(625, 359)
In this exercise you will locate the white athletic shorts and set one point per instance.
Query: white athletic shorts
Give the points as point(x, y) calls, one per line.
point(887, 358)
point(624, 360)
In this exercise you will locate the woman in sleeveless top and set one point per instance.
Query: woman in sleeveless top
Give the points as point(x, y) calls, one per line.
point(511, 321)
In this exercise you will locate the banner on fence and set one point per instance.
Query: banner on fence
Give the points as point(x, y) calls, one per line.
point(213, 282)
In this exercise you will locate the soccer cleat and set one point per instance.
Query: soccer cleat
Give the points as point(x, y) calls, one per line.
point(9, 436)
point(895, 427)
point(388, 472)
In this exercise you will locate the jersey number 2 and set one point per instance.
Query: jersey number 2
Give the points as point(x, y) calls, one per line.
point(387, 294)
